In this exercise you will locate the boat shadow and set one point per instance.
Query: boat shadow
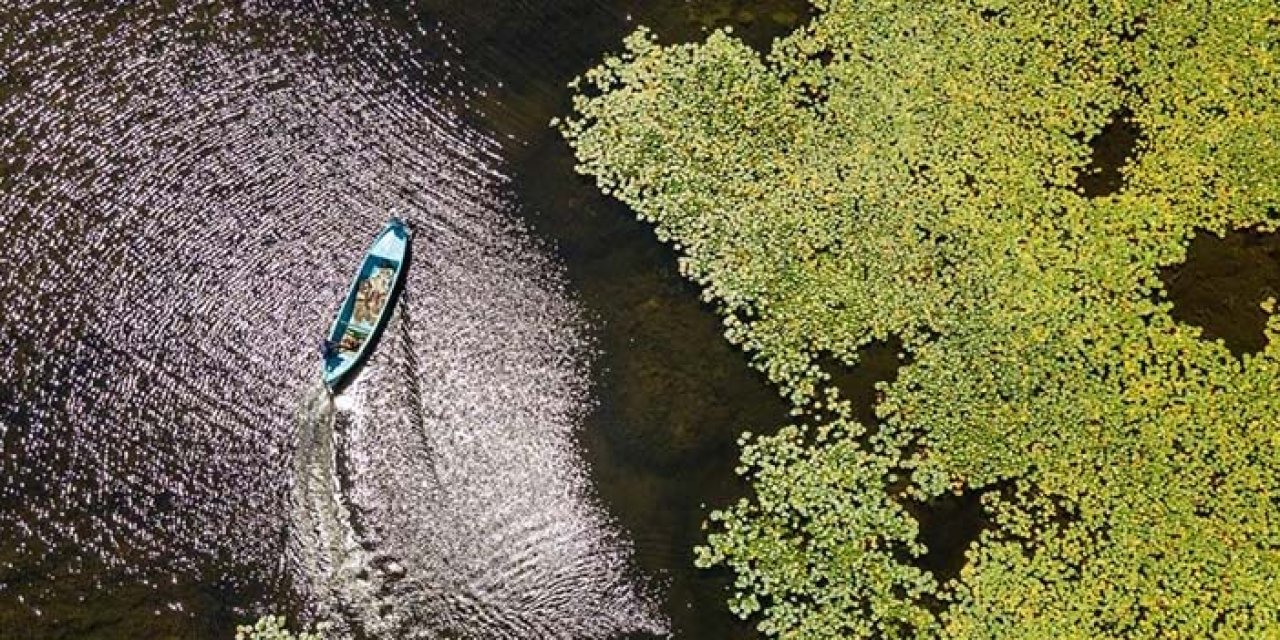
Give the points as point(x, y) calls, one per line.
point(411, 370)
point(406, 362)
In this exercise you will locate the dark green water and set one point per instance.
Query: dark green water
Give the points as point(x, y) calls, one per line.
point(673, 394)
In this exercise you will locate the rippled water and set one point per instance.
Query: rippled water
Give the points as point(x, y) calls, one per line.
point(185, 188)
point(454, 460)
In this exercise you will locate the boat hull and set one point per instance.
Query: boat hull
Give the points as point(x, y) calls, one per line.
point(368, 307)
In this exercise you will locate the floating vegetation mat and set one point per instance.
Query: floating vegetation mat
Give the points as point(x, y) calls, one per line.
point(998, 186)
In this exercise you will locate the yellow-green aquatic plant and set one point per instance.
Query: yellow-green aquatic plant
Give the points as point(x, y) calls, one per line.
point(910, 169)
point(272, 627)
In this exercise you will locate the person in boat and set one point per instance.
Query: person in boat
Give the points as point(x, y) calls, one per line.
point(329, 349)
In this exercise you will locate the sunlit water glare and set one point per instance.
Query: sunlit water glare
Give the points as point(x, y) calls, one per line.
point(184, 191)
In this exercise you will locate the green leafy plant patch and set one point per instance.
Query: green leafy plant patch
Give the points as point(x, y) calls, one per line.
point(911, 170)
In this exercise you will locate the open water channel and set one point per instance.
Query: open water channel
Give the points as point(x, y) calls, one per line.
point(184, 189)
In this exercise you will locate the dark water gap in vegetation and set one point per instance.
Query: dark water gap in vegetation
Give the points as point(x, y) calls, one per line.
point(1222, 283)
point(948, 523)
point(877, 362)
point(1111, 150)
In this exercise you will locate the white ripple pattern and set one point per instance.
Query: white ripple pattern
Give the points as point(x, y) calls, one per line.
point(182, 196)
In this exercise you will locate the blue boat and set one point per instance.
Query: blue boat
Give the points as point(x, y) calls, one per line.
point(369, 305)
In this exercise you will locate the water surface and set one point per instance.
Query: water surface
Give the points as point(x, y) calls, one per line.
point(185, 190)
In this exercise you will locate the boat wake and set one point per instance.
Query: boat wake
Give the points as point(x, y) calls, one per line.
point(323, 544)
point(440, 494)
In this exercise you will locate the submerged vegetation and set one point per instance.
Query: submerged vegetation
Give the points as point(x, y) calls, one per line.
point(914, 171)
